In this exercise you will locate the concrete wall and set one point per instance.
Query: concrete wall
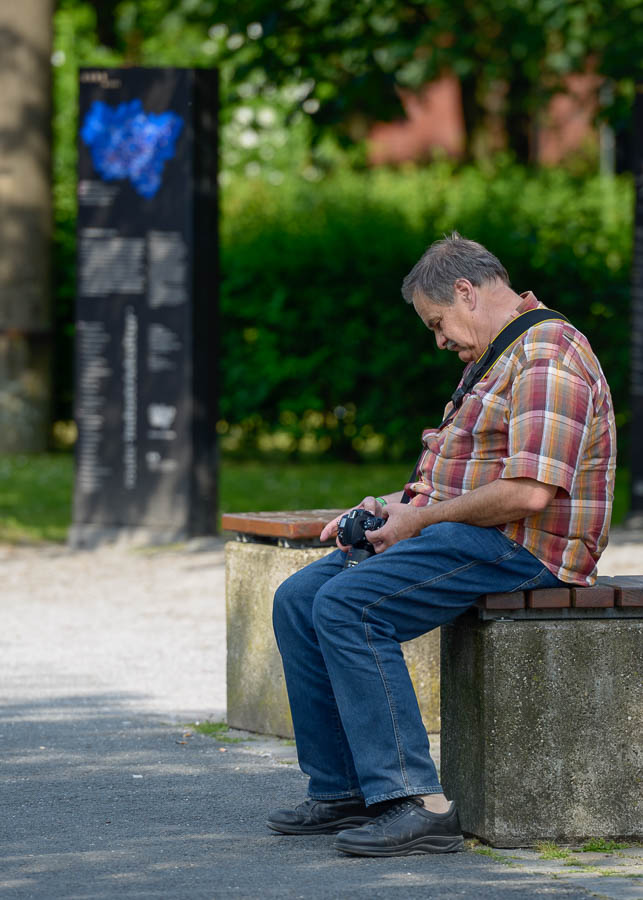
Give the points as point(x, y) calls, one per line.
point(257, 699)
point(542, 729)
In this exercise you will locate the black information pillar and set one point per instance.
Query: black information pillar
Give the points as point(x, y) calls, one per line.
point(636, 503)
point(146, 312)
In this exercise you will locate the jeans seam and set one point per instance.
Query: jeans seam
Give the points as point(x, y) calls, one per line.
point(409, 792)
point(391, 706)
point(532, 581)
point(340, 742)
point(334, 795)
point(438, 578)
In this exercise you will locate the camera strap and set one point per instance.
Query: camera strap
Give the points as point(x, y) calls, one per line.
point(505, 339)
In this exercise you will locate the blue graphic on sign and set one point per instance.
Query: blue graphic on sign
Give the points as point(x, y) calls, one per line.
point(127, 142)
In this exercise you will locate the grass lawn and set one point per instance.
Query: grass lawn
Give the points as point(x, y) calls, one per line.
point(35, 497)
point(35, 491)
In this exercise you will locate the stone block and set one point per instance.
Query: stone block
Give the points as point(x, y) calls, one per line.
point(256, 688)
point(542, 728)
point(256, 691)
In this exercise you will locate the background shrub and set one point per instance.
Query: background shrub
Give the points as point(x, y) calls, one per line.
point(319, 351)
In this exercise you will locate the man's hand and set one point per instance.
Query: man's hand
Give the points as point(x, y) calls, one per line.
point(330, 530)
point(402, 521)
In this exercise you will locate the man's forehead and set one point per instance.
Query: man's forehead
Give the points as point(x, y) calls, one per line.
point(427, 306)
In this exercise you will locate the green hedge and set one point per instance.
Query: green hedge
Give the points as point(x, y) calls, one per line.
point(320, 352)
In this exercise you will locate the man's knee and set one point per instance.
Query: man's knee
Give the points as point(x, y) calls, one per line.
point(286, 603)
point(293, 599)
point(334, 606)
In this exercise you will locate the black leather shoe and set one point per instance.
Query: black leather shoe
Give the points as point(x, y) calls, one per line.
point(405, 828)
point(320, 817)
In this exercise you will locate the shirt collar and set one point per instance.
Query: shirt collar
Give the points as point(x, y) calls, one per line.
point(528, 301)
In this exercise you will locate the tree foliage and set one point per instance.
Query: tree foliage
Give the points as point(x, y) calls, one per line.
point(352, 58)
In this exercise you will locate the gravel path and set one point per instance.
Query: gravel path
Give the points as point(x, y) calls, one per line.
point(145, 628)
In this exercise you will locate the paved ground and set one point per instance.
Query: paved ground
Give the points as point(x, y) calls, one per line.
point(106, 791)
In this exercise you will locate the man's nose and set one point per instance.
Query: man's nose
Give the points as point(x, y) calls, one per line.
point(441, 341)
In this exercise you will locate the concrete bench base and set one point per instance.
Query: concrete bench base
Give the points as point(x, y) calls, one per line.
point(257, 699)
point(542, 728)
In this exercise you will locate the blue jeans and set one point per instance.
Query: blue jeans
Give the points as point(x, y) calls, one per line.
point(356, 719)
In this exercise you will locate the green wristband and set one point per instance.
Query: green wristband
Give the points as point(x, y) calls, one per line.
point(381, 500)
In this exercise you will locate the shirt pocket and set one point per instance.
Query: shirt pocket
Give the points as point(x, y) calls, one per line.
point(478, 431)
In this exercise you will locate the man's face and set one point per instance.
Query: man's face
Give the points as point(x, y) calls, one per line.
point(455, 327)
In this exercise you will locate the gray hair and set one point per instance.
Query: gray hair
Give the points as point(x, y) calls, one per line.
point(447, 260)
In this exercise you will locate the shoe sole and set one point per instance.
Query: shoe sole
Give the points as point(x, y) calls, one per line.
point(419, 845)
point(330, 828)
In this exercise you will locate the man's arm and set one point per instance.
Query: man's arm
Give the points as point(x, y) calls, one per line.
point(497, 503)
point(369, 503)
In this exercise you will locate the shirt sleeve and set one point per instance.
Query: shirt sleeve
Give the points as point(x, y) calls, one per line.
point(550, 413)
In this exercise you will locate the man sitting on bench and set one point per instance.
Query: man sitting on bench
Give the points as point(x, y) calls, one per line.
point(512, 491)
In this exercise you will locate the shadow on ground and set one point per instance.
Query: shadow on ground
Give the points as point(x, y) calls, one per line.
point(98, 804)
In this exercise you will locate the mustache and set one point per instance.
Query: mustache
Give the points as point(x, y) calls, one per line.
point(451, 345)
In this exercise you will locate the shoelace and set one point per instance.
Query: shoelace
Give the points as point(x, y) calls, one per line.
point(306, 806)
point(397, 808)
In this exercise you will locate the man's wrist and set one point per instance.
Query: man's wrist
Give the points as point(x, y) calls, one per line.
point(426, 515)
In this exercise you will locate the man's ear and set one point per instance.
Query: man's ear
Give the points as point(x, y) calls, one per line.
point(466, 292)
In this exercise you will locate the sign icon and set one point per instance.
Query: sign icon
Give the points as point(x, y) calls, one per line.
point(127, 142)
point(160, 415)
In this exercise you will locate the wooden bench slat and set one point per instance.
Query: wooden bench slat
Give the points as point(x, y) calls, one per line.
point(629, 596)
point(515, 600)
point(597, 597)
point(549, 598)
point(294, 524)
point(628, 589)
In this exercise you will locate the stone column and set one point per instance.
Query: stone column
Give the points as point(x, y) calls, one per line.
point(25, 224)
point(635, 517)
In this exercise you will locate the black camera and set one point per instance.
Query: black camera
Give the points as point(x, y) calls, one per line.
point(350, 532)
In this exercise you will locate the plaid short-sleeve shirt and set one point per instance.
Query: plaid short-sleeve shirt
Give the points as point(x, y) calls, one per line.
point(544, 411)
